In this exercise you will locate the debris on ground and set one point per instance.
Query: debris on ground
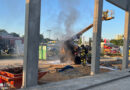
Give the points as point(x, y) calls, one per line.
point(66, 68)
point(76, 72)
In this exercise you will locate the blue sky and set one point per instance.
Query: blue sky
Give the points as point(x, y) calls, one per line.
point(12, 17)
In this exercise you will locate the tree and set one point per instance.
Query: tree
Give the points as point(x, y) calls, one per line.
point(41, 38)
point(22, 36)
point(3, 30)
point(14, 34)
point(117, 42)
point(102, 40)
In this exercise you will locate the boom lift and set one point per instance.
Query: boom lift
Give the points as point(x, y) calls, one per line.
point(68, 46)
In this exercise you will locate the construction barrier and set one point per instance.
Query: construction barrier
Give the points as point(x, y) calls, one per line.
point(42, 52)
point(129, 51)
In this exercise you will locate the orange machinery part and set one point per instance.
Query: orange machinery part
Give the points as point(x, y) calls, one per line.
point(15, 80)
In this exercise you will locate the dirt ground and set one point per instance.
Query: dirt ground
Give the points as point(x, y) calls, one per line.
point(54, 75)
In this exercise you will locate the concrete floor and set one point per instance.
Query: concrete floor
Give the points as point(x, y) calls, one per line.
point(122, 84)
point(117, 80)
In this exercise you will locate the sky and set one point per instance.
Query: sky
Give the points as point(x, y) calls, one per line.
point(12, 17)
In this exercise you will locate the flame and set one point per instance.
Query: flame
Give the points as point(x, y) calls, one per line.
point(62, 50)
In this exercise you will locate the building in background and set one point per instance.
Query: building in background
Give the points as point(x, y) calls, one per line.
point(119, 37)
point(10, 43)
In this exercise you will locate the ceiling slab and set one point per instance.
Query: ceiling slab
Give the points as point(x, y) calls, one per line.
point(119, 3)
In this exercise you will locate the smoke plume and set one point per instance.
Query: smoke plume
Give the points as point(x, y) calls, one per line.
point(68, 16)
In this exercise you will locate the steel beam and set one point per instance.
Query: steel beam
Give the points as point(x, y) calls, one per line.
point(31, 43)
point(97, 25)
point(119, 3)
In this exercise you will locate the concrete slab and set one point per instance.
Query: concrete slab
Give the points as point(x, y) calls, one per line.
point(84, 82)
point(119, 3)
point(122, 84)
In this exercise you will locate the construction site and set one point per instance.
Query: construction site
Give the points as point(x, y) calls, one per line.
point(68, 63)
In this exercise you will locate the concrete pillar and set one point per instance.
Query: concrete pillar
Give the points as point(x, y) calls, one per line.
point(95, 65)
point(31, 43)
point(126, 39)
